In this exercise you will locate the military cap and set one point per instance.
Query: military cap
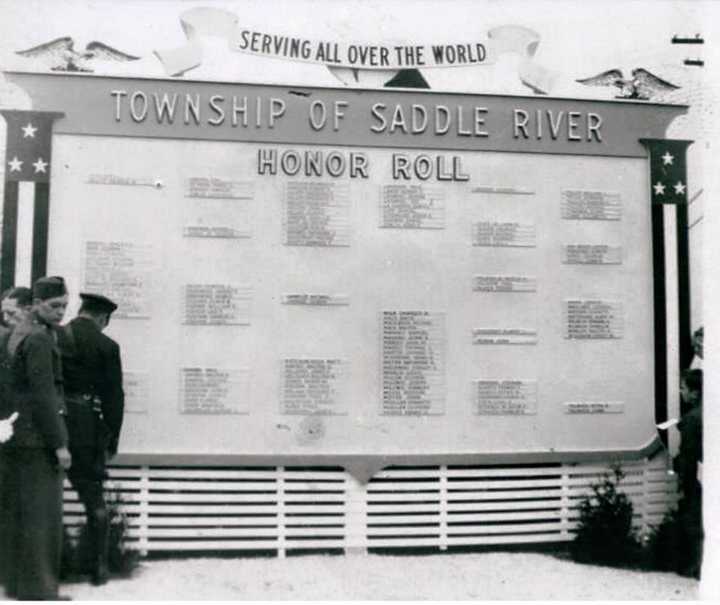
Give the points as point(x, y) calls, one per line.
point(97, 302)
point(49, 287)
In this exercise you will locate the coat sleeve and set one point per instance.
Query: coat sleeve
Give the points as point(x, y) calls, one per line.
point(114, 396)
point(44, 398)
point(690, 451)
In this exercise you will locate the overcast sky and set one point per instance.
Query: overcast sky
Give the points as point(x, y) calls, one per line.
point(577, 38)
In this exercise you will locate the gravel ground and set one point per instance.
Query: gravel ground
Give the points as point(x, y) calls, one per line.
point(477, 576)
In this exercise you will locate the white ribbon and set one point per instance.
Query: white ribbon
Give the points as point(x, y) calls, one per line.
point(346, 60)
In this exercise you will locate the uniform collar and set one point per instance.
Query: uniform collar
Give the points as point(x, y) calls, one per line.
point(87, 321)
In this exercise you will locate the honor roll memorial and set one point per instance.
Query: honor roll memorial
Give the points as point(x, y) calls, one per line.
point(343, 310)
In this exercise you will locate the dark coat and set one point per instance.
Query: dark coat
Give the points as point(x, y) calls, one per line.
point(7, 405)
point(691, 450)
point(36, 379)
point(91, 366)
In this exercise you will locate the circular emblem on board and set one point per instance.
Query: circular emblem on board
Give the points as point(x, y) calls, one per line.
point(310, 430)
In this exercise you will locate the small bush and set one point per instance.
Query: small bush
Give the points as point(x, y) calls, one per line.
point(677, 543)
point(122, 561)
point(663, 545)
point(605, 534)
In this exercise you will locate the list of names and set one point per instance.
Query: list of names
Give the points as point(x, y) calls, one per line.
point(314, 386)
point(504, 336)
point(213, 390)
point(505, 397)
point(594, 407)
point(593, 319)
point(579, 204)
point(504, 283)
point(216, 304)
point(592, 254)
point(315, 300)
point(125, 181)
point(412, 207)
point(508, 234)
point(122, 272)
point(316, 214)
point(412, 363)
point(218, 187)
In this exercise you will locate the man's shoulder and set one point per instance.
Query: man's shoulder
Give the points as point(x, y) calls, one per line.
point(109, 344)
point(31, 339)
point(89, 331)
point(35, 332)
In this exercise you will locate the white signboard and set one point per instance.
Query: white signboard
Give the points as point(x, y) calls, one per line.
point(289, 293)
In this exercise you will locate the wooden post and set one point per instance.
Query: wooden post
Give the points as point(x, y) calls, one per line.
point(443, 507)
point(356, 540)
point(281, 517)
point(144, 518)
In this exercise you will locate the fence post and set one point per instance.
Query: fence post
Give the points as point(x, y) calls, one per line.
point(443, 507)
point(144, 509)
point(565, 503)
point(281, 510)
point(356, 540)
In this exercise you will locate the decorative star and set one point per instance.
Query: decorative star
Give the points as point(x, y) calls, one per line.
point(659, 188)
point(29, 131)
point(40, 165)
point(667, 158)
point(15, 165)
point(679, 188)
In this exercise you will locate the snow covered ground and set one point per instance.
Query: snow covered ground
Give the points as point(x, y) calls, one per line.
point(476, 576)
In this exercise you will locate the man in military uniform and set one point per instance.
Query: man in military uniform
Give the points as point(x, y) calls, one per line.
point(37, 453)
point(94, 397)
point(16, 304)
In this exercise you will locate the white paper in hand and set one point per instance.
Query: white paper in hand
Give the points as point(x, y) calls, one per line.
point(6, 427)
point(668, 423)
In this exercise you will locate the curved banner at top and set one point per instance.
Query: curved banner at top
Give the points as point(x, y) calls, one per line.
point(203, 22)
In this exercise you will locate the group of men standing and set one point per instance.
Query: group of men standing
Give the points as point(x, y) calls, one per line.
point(61, 409)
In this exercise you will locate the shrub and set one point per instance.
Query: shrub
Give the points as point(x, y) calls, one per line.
point(121, 559)
point(76, 552)
point(663, 545)
point(604, 533)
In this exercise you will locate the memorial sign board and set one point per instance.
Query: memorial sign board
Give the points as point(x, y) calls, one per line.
point(362, 273)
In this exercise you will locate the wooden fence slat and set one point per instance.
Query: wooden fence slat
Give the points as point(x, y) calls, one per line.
point(374, 532)
point(332, 508)
point(403, 497)
point(505, 516)
point(284, 509)
point(216, 486)
point(214, 545)
point(403, 519)
point(205, 532)
point(200, 473)
point(456, 474)
point(505, 494)
point(398, 508)
point(507, 539)
point(159, 497)
point(212, 509)
point(506, 528)
point(406, 486)
point(506, 505)
point(238, 521)
point(495, 484)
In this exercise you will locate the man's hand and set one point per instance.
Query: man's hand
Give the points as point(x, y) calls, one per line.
point(64, 457)
point(111, 449)
point(6, 427)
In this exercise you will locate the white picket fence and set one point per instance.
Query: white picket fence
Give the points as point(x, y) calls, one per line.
point(285, 509)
